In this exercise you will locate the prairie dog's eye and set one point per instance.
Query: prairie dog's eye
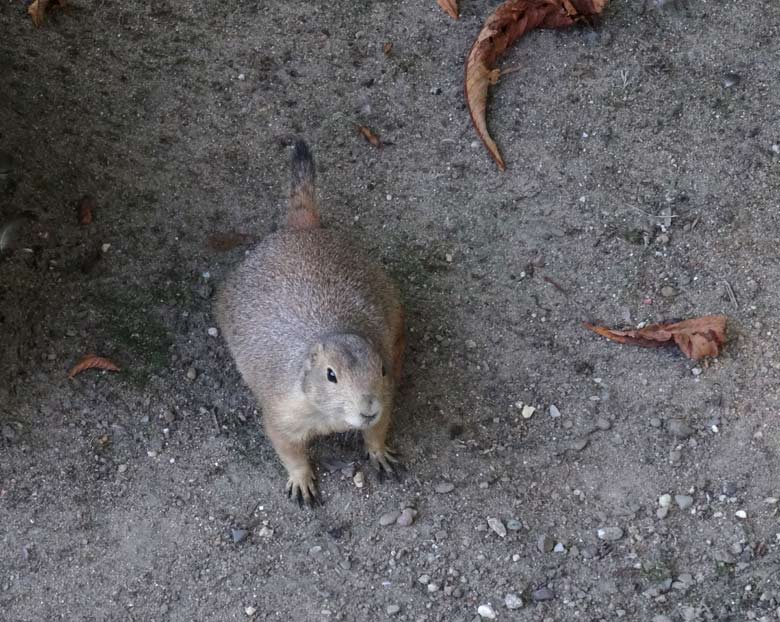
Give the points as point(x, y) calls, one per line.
point(332, 376)
point(384, 371)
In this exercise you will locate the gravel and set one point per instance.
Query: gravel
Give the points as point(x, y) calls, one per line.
point(487, 612)
point(497, 526)
point(444, 487)
point(545, 544)
point(610, 533)
point(392, 609)
point(678, 428)
point(542, 594)
point(513, 601)
point(683, 501)
point(388, 518)
point(407, 516)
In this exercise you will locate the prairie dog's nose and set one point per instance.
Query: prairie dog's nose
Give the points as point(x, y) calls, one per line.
point(370, 407)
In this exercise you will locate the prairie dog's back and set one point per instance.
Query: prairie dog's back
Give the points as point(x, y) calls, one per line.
point(295, 287)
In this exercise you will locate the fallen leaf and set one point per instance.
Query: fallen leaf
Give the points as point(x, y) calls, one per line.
point(450, 7)
point(38, 8)
point(507, 24)
point(370, 136)
point(223, 242)
point(92, 361)
point(697, 337)
point(86, 208)
point(387, 48)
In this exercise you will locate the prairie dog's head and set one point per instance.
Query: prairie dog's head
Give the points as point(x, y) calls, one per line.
point(347, 381)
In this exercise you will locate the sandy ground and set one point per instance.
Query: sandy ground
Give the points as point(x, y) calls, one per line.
point(152, 495)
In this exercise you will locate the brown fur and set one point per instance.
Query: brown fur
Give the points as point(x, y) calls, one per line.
point(303, 301)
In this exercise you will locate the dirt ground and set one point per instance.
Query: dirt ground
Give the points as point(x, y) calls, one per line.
point(152, 494)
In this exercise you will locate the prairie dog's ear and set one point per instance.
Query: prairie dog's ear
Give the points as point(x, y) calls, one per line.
point(315, 353)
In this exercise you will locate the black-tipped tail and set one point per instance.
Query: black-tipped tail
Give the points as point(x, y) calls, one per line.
point(303, 212)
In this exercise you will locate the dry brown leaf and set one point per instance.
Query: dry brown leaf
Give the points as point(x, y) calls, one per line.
point(697, 337)
point(450, 7)
point(370, 136)
point(223, 242)
point(387, 48)
point(92, 361)
point(507, 24)
point(38, 8)
point(86, 208)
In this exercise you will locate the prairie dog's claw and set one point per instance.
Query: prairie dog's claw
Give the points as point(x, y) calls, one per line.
point(385, 462)
point(303, 488)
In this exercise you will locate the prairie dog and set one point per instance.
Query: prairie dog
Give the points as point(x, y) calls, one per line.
point(317, 332)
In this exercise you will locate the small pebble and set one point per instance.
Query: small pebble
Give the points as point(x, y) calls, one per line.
point(407, 517)
point(444, 487)
point(603, 424)
point(559, 548)
point(554, 412)
point(191, 373)
point(610, 533)
point(486, 611)
point(665, 501)
point(470, 344)
point(528, 411)
point(213, 332)
point(542, 594)
point(678, 428)
point(122, 468)
point(683, 501)
point(668, 292)
point(545, 544)
point(497, 526)
point(425, 579)
point(661, 618)
point(359, 479)
point(238, 535)
point(731, 79)
point(250, 611)
point(514, 525)
point(513, 601)
point(433, 587)
point(655, 422)
point(388, 518)
point(578, 444)
point(392, 609)
point(662, 512)
point(740, 514)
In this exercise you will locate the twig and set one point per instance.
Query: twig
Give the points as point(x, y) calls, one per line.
point(216, 421)
point(730, 292)
point(656, 216)
point(555, 285)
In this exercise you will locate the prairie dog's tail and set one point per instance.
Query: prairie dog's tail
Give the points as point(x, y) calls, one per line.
point(302, 212)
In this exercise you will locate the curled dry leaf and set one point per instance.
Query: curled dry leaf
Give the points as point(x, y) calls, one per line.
point(450, 7)
point(697, 337)
point(506, 25)
point(38, 8)
point(370, 136)
point(92, 361)
point(87, 206)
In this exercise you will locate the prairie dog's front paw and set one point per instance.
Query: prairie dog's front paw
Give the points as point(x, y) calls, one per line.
point(302, 486)
point(385, 462)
